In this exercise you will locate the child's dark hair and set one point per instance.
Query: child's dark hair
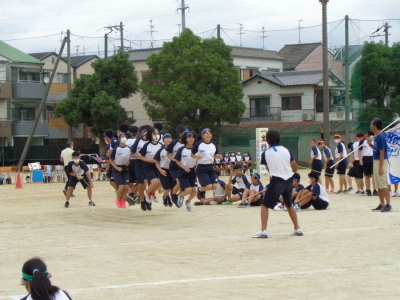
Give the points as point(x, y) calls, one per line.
point(378, 123)
point(314, 175)
point(109, 134)
point(124, 127)
point(144, 128)
point(185, 136)
point(296, 176)
point(150, 133)
point(181, 129)
point(273, 138)
point(159, 127)
point(134, 130)
point(350, 145)
point(35, 271)
point(360, 134)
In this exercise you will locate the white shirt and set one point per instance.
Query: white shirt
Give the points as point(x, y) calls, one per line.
point(129, 143)
point(367, 150)
point(206, 151)
point(185, 157)
point(278, 162)
point(121, 155)
point(355, 149)
point(66, 154)
point(337, 154)
point(319, 153)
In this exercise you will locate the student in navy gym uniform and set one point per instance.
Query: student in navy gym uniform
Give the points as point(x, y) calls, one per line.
point(281, 165)
point(316, 157)
point(134, 195)
point(174, 169)
point(111, 143)
point(328, 163)
point(36, 279)
point(253, 193)
point(147, 153)
point(187, 174)
point(79, 172)
point(137, 146)
point(340, 152)
point(233, 193)
point(119, 159)
point(205, 152)
point(246, 161)
point(219, 194)
point(313, 195)
point(162, 164)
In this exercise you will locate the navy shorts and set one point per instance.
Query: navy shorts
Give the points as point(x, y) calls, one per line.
point(174, 171)
point(187, 180)
point(121, 178)
point(258, 202)
point(110, 173)
point(236, 191)
point(150, 172)
point(328, 171)
point(359, 170)
point(317, 166)
point(139, 171)
point(206, 175)
point(131, 170)
point(352, 171)
point(73, 181)
point(368, 165)
point(318, 204)
point(167, 182)
point(276, 188)
point(341, 167)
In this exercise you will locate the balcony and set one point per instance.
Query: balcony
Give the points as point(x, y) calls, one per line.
point(28, 90)
point(24, 128)
point(266, 114)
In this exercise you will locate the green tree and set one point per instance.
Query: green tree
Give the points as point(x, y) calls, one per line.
point(374, 74)
point(193, 81)
point(95, 101)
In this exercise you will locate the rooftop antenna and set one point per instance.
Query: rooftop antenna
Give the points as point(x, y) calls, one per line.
point(77, 50)
point(151, 33)
point(263, 36)
point(179, 29)
point(240, 33)
point(299, 28)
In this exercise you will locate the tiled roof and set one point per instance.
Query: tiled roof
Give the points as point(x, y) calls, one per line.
point(77, 61)
point(16, 55)
point(255, 53)
point(42, 55)
point(295, 54)
point(288, 127)
point(143, 54)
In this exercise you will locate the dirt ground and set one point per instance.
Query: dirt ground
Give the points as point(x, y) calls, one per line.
point(347, 251)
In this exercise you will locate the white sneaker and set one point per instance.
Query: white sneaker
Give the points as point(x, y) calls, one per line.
point(296, 207)
point(213, 203)
point(397, 194)
point(392, 194)
point(262, 234)
point(147, 197)
point(298, 232)
point(279, 206)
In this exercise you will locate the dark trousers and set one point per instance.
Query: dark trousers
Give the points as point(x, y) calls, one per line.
point(68, 176)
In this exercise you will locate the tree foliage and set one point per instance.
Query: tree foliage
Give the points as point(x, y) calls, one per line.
point(95, 101)
point(193, 81)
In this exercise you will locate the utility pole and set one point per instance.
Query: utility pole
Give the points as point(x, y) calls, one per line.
point(41, 105)
point(240, 33)
point(299, 30)
point(151, 33)
point(347, 81)
point(387, 33)
point(183, 8)
point(105, 46)
point(119, 28)
point(179, 29)
point(263, 36)
point(326, 100)
point(69, 61)
point(218, 31)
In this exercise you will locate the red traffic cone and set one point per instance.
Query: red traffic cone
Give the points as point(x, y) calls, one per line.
point(18, 185)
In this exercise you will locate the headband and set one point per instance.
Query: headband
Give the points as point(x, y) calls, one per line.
point(121, 134)
point(189, 133)
point(205, 129)
point(105, 135)
point(29, 277)
point(256, 175)
point(166, 135)
point(186, 130)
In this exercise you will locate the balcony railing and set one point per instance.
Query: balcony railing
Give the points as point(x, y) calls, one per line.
point(267, 114)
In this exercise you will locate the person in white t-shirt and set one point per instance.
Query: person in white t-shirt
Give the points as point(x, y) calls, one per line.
point(36, 279)
point(65, 158)
point(281, 165)
point(314, 195)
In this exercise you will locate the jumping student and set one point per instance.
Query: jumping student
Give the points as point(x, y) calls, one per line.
point(340, 152)
point(380, 163)
point(205, 152)
point(253, 193)
point(36, 279)
point(133, 131)
point(316, 157)
point(162, 164)
point(219, 194)
point(79, 172)
point(281, 165)
point(328, 163)
point(233, 193)
point(147, 153)
point(119, 159)
point(314, 194)
point(174, 169)
point(187, 174)
point(111, 143)
point(137, 146)
point(246, 161)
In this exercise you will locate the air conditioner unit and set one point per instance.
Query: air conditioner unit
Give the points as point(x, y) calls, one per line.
point(307, 117)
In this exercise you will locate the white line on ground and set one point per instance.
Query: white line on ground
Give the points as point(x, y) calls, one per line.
point(155, 241)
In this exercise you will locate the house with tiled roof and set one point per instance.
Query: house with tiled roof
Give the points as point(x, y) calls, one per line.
point(294, 96)
point(308, 57)
point(248, 62)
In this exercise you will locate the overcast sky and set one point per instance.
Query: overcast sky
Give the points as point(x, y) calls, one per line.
point(38, 25)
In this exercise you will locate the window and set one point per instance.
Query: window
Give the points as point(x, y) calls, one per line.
point(259, 107)
point(291, 103)
point(62, 77)
point(26, 114)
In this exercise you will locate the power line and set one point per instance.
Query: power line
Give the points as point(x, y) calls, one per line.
point(29, 38)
